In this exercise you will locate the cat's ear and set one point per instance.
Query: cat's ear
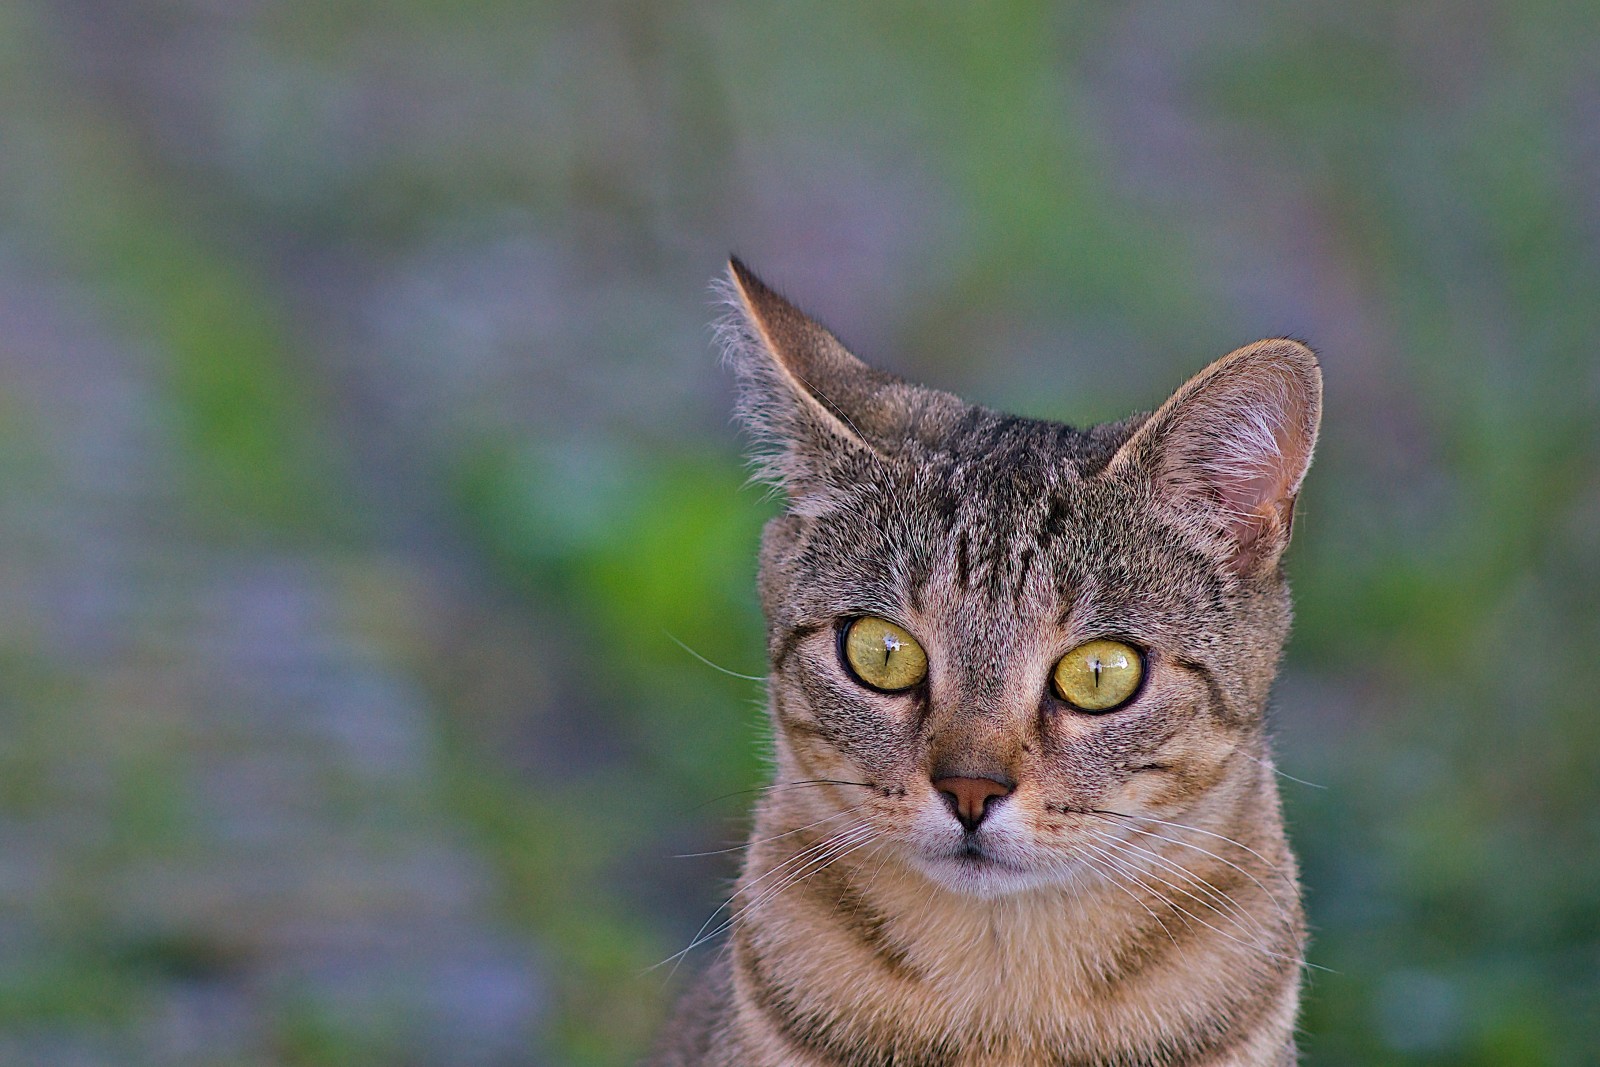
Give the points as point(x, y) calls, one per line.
point(1229, 450)
point(809, 403)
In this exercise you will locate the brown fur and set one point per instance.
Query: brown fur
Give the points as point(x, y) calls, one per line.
point(1134, 900)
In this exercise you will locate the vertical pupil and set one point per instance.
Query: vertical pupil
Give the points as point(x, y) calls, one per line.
point(1094, 665)
point(890, 646)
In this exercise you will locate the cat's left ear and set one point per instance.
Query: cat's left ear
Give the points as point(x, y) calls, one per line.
point(1229, 450)
point(813, 407)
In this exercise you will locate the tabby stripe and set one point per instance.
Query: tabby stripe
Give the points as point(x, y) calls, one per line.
point(1054, 525)
point(1203, 1041)
point(790, 641)
point(1025, 564)
point(823, 1034)
point(1208, 1042)
point(864, 923)
point(1251, 1010)
point(1148, 944)
point(1218, 700)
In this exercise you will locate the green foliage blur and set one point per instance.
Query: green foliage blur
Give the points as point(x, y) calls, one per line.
point(378, 559)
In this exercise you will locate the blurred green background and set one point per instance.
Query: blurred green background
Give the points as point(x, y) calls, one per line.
point(364, 462)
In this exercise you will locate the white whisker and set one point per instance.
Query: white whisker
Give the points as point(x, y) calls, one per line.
point(1128, 872)
point(1214, 899)
point(714, 666)
point(839, 848)
point(800, 861)
point(1109, 873)
point(1129, 820)
point(754, 841)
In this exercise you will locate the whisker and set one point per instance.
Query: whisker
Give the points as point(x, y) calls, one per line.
point(816, 848)
point(1288, 882)
point(767, 840)
point(882, 862)
point(1275, 769)
point(1175, 906)
point(821, 781)
point(796, 861)
point(1218, 901)
point(817, 858)
point(699, 936)
point(1175, 865)
point(773, 787)
point(714, 666)
point(1272, 896)
point(1109, 873)
point(1271, 865)
point(1130, 872)
point(798, 875)
point(1297, 781)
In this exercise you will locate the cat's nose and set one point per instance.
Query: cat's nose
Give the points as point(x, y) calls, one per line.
point(969, 798)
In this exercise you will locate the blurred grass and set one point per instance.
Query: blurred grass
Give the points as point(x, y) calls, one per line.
point(663, 559)
point(524, 520)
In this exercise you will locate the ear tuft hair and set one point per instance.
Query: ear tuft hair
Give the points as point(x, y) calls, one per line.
point(777, 403)
point(808, 403)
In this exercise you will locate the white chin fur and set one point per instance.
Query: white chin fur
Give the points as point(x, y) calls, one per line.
point(987, 877)
point(936, 850)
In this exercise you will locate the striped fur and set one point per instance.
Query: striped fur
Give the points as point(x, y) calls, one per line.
point(1134, 900)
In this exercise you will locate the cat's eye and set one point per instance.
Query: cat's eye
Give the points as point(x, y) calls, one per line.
point(1099, 675)
point(882, 655)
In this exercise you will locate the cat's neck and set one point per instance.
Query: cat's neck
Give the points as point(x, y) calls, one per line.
point(879, 948)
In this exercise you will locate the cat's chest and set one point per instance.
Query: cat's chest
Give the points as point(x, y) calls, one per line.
point(1012, 983)
point(1018, 964)
point(1007, 981)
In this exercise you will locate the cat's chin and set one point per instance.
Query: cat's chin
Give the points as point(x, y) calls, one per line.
point(978, 873)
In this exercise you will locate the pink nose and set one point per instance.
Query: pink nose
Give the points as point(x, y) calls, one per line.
point(969, 797)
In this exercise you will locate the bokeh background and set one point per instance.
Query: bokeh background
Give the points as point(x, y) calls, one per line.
point(365, 470)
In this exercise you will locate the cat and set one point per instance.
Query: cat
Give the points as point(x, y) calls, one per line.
point(1023, 809)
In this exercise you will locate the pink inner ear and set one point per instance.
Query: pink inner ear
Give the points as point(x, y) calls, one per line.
point(1253, 460)
point(1230, 448)
point(1242, 446)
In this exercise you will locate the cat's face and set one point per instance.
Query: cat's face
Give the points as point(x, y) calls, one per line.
point(997, 637)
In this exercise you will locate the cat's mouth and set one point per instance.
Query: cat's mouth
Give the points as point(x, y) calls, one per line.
point(981, 863)
point(972, 855)
point(972, 852)
point(973, 869)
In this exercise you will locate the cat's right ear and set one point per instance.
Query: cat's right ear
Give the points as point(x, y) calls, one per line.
point(1228, 451)
point(808, 402)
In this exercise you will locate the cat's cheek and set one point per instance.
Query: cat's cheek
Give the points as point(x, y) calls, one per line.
point(1076, 753)
point(836, 730)
point(1154, 788)
point(1179, 773)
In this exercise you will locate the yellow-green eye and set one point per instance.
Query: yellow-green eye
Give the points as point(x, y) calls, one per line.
point(1098, 675)
point(882, 655)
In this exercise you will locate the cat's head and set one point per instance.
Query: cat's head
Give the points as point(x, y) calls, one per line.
point(992, 625)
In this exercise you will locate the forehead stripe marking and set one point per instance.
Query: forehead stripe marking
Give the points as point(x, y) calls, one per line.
point(963, 564)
